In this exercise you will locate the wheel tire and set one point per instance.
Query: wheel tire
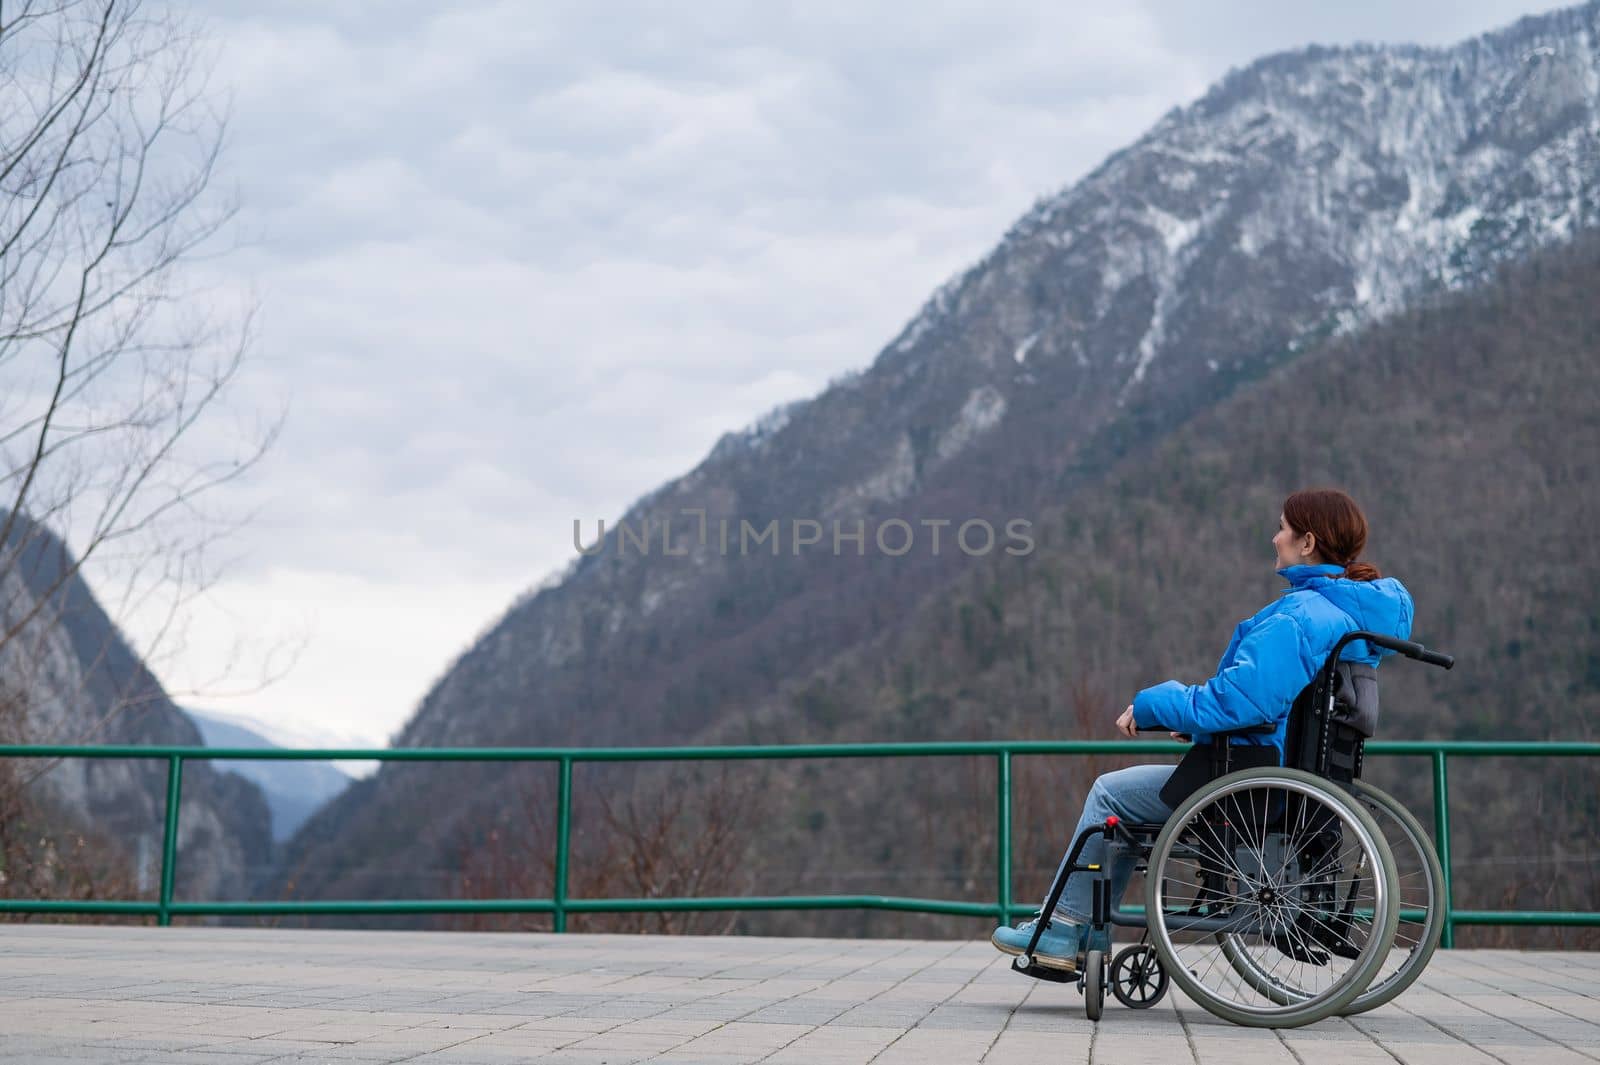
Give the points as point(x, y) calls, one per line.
point(1384, 989)
point(1286, 1014)
point(1134, 971)
point(1094, 984)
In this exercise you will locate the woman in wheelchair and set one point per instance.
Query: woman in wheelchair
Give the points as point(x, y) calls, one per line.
point(1273, 656)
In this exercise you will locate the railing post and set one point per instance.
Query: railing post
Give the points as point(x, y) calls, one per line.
point(563, 842)
point(169, 842)
point(1441, 832)
point(1002, 807)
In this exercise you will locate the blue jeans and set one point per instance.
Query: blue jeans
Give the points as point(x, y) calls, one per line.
point(1132, 794)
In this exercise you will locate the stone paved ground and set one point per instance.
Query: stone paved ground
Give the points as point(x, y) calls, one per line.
point(239, 996)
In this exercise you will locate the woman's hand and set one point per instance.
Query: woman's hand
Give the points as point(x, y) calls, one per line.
point(1125, 723)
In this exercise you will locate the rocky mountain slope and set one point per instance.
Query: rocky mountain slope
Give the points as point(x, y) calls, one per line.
point(68, 676)
point(1301, 198)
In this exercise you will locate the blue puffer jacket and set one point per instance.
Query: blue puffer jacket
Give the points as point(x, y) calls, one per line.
point(1275, 654)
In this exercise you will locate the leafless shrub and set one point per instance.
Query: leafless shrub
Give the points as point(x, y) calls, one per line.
point(688, 839)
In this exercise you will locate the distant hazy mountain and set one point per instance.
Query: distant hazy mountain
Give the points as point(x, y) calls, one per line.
point(1300, 200)
point(294, 790)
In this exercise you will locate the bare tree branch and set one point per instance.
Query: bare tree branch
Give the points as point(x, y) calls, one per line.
point(113, 373)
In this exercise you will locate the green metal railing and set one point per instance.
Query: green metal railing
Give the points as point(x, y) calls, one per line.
point(559, 905)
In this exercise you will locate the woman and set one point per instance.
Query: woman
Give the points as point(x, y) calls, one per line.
point(1272, 656)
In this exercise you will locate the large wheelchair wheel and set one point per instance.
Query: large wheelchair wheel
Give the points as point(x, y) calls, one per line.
point(1419, 895)
point(1271, 898)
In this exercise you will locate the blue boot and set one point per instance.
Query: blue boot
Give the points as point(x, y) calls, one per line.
point(1058, 947)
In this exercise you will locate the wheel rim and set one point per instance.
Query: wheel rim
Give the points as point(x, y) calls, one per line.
point(1275, 896)
point(1137, 978)
point(1417, 889)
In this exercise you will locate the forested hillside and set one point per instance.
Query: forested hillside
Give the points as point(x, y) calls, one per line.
point(1467, 429)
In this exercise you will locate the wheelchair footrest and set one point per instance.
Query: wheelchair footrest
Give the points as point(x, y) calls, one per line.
point(1039, 972)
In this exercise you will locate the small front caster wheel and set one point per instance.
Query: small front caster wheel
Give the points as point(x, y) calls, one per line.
point(1137, 978)
point(1094, 984)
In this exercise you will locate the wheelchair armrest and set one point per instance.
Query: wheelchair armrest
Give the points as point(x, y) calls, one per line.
point(1266, 728)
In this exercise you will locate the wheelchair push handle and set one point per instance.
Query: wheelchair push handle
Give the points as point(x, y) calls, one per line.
point(1436, 658)
point(1408, 648)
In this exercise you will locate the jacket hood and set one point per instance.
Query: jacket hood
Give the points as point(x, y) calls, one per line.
point(1382, 605)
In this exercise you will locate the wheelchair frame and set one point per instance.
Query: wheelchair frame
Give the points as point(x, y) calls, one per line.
point(1323, 758)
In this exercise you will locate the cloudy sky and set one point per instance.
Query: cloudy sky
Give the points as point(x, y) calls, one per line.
point(519, 263)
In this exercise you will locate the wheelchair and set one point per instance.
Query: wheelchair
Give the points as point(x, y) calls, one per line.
point(1275, 896)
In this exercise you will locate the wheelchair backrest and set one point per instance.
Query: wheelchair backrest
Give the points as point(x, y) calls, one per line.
point(1326, 736)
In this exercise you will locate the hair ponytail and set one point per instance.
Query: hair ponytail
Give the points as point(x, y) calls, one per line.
point(1361, 571)
point(1338, 525)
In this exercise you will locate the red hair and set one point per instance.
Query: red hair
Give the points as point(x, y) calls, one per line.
point(1338, 525)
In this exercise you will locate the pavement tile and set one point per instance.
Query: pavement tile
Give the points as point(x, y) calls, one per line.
point(206, 1057)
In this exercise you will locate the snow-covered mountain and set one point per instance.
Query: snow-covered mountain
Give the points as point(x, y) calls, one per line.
point(1302, 196)
point(1313, 189)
